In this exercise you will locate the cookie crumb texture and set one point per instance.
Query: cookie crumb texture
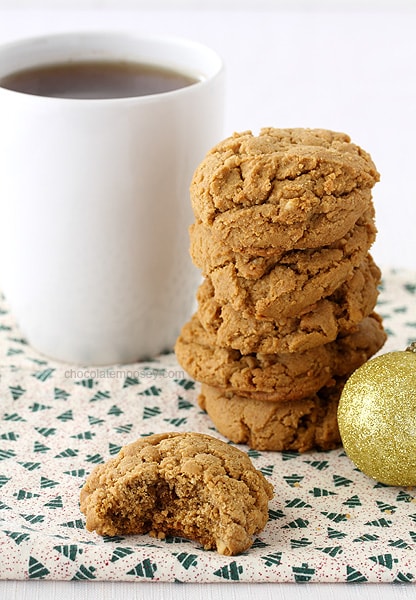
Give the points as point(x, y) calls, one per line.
point(188, 485)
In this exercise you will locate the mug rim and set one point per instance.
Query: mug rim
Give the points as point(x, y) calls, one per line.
point(39, 43)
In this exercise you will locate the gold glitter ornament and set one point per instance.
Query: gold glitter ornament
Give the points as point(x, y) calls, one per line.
point(377, 417)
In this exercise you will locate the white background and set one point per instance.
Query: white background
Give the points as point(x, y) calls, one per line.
point(348, 66)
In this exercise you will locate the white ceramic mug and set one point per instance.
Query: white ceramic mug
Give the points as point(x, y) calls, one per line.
point(94, 201)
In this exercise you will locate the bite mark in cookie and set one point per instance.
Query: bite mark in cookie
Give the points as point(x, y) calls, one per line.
point(189, 485)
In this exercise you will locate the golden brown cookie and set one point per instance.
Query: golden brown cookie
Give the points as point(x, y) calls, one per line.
point(315, 325)
point(285, 188)
point(298, 279)
point(298, 425)
point(276, 377)
point(179, 484)
point(208, 254)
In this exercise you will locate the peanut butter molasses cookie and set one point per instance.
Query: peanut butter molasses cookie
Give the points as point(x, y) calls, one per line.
point(284, 222)
point(315, 325)
point(179, 484)
point(298, 279)
point(276, 377)
point(285, 188)
point(208, 254)
point(299, 425)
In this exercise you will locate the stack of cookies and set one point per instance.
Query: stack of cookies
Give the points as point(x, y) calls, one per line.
point(283, 226)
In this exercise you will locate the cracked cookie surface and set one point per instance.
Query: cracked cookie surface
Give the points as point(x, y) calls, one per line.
point(189, 485)
point(300, 425)
point(317, 324)
point(297, 280)
point(285, 188)
point(276, 377)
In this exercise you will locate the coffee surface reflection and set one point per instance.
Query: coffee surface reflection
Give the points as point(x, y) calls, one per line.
point(96, 79)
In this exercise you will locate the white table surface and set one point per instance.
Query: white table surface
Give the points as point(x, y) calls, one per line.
point(343, 66)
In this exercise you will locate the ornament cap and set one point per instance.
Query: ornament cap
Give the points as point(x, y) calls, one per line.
point(411, 347)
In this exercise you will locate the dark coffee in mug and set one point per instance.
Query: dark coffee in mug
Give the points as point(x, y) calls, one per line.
point(96, 79)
